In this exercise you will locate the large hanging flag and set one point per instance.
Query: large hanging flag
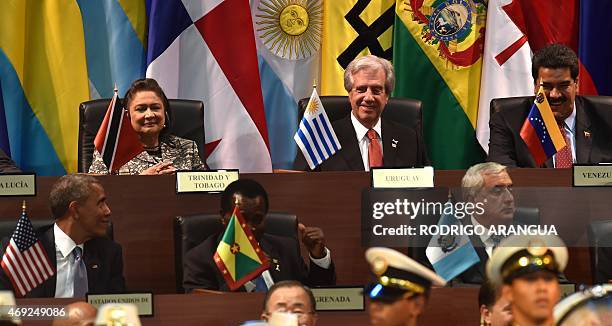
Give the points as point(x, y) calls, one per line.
point(288, 38)
point(353, 28)
point(206, 50)
point(315, 136)
point(238, 256)
point(25, 260)
point(595, 53)
point(116, 140)
point(437, 52)
point(448, 254)
point(506, 70)
point(540, 130)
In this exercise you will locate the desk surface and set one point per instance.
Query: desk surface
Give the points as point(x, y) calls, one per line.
point(457, 306)
point(144, 208)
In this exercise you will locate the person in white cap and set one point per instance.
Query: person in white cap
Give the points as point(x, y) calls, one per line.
point(527, 269)
point(592, 306)
point(400, 292)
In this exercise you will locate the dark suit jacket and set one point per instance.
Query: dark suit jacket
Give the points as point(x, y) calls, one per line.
point(593, 133)
point(6, 164)
point(286, 263)
point(103, 259)
point(402, 147)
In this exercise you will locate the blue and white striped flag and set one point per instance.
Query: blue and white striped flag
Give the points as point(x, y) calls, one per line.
point(451, 255)
point(315, 135)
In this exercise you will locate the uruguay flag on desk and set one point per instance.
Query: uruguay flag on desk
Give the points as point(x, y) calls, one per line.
point(540, 130)
point(315, 136)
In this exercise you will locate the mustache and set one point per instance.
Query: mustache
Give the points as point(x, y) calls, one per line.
point(556, 101)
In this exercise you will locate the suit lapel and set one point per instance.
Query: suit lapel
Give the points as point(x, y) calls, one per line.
point(48, 241)
point(275, 269)
point(389, 144)
point(92, 263)
point(584, 142)
point(350, 147)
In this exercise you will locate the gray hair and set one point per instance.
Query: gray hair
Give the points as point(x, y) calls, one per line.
point(370, 62)
point(69, 188)
point(473, 180)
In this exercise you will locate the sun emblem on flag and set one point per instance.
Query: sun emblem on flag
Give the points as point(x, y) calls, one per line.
point(313, 106)
point(290, 29)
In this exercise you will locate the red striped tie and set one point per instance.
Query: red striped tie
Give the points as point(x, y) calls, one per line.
point(563, 158)
point(374, 150)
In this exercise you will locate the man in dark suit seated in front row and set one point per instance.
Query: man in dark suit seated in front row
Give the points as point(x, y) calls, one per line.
point(585, 121)
point(84, 258)
point(286, 263)
point(366, 139)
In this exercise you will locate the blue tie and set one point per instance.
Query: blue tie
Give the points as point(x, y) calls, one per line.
point(80, 274)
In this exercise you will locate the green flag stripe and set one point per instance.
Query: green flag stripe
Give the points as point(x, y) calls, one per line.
point(244, 265)
point(229, 235)
point(449, 135)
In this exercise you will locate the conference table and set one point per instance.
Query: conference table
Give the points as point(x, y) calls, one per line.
point(445, 306)
point(144, 208)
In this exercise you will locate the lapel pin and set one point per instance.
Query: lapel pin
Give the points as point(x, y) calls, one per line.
point(587, 134)
point(394, 143)
point(94, 266)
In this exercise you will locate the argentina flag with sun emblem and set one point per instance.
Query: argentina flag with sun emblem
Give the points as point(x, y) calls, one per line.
point(288, 38)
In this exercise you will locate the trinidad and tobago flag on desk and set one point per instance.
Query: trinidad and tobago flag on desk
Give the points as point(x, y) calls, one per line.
point(540, 130)
point(116, 141)
point(238, 256)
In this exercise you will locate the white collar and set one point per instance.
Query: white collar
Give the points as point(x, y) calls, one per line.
point(361, 130)
point(63, 242)
point(484, 237)
point(570, 121)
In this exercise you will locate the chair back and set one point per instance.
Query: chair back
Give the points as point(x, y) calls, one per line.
point(187, 122)
point(191, 230)
point(7, 226)
point(599, 234)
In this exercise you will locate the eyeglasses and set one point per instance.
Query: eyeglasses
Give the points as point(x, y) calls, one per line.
point(563, 86)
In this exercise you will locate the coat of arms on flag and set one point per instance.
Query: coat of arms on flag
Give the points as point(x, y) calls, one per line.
point(315, 136)
point(25, 261)
point(238, 256)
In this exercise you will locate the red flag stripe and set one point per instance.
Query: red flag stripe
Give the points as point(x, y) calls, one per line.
point(42, 256)
point(8, 267)
point(18, 271)
point(22, 268)
point(32, 266)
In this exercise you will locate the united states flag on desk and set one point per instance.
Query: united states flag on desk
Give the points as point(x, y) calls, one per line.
point(25, 261)
point(315, 136)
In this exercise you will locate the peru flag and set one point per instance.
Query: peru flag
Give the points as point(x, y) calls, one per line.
point(205, 50)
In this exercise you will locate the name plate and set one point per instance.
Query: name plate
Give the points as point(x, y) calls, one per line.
point(592, 175)
point(142, 301)
point(403, 177)
point(18, 184)
point(339, 298)
point(204, 181)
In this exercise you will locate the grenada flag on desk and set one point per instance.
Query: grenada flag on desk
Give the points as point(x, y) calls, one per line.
point(437, 55)
point(238, 256)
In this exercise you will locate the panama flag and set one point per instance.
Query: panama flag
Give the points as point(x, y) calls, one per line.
point(288, 38)
point(205, 50)
point(506, 67)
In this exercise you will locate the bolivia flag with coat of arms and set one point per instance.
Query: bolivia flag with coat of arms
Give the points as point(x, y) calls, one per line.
point(238, 256)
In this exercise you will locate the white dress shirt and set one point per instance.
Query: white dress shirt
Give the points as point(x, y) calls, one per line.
point(66, 267)
point(570, 128)
point(364, 141)
point(485, 238)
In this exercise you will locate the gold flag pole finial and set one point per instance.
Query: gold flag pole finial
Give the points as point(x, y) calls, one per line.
point(314, 83)
point(116, 89)
point(23, 207)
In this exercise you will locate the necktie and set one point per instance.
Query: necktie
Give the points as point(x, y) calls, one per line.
point(374, 150)
point(80, 274)
point(260, 284)
point(563, 158)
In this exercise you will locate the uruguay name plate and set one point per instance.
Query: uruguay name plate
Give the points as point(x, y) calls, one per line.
point(339, 298)
point(204, 181)
point(142, 301)
point(592, 175)
point(20, 184)
point(403, 177)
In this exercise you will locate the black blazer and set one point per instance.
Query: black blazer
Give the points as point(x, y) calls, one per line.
point(402, 147)
point(593, 132)
point(286, 263)
point(6, 164)
point(103, 259)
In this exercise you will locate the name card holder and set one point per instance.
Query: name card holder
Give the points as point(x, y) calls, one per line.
point(18, 184)
point(213, 181)
point(403, 177)
point(142, 301)
point(339, 298)
point(592, 175)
